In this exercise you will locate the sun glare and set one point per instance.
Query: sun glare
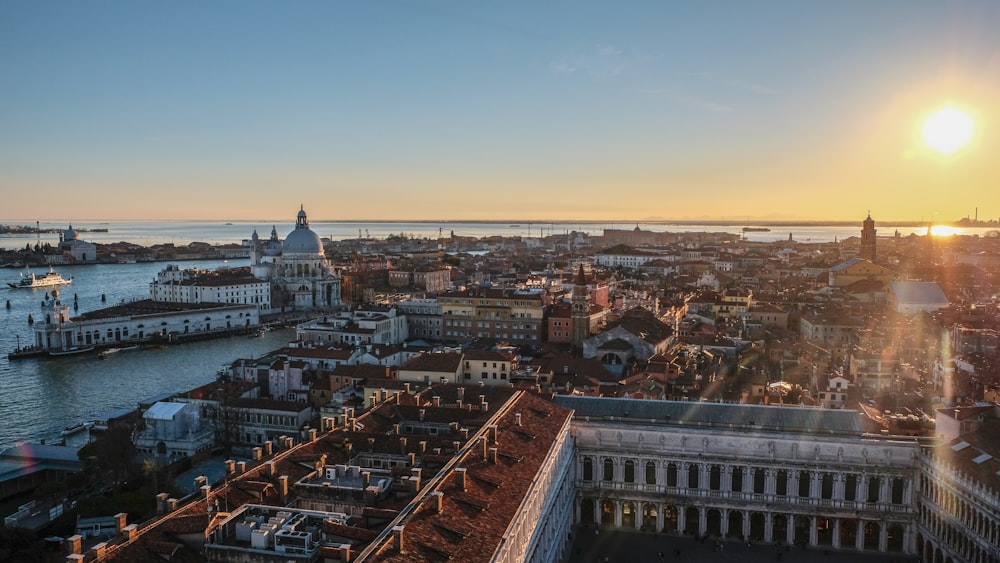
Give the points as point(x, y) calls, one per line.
point(944, 230)
point(948, 130)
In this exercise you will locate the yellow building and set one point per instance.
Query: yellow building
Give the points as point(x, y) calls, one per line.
point(857, 269)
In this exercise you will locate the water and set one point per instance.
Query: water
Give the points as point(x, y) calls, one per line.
point(216, 232)
point(40, 397)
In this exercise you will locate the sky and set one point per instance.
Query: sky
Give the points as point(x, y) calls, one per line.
point(556, 110)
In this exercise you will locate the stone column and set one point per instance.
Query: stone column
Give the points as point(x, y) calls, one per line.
point(639, 515)
point(599, 511)
point(770, 481)
point(815, 484)
point(618, 513)
point(836, 532)
point(748, 481)
point(702, 477)
point(768, 527)
point(793, 483)
point(577, 512)
point(859, 535)
point(838, 486)
point(727, 478)
point(813, 535)
point(861, 494)
point(885, 490)
point(789, 529)
point(681, 518)
point(746, 523)
point(724, 524)
point(702, 520)
point(659, 517)
point(883, 536)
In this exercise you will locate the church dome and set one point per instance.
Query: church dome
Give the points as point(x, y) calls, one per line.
point(303, 240)
point(70, 234)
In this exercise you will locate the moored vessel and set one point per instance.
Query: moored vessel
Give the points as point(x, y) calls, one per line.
point(48, 279)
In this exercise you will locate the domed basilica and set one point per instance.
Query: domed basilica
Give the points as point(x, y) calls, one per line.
point(300, 274)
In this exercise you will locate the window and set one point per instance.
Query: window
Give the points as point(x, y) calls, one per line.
point(630, 471)
point(609, 469)
point(672, 475)
point(781, 484)
point(588, 469)
point(805, 479)
point(715, 478)
point(692, 476)
point(650, 473)
point(737, 482)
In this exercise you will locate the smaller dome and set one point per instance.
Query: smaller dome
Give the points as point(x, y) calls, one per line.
point(70, 234)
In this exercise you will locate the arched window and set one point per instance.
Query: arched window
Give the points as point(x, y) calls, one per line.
point(758, 481)
point(851, 487)
point(650, 473)
point(715, 478)
point(737, 482)
point(826, 489)
point(609, 469)
point(588, 469)
point(781, 483)
point(630, 471)
point(874, 484)
point(672, 475)
point(692, 476)
point(898, 485)
point(805, 480)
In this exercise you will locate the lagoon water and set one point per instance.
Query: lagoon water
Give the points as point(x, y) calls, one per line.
point(218, 232)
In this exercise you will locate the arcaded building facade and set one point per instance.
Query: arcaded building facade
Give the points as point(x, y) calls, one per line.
point(761, 473)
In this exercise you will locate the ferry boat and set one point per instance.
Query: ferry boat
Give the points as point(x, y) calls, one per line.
point(49, 279)
point(756, 230)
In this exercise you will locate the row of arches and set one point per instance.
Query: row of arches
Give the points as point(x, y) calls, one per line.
point(847, 533)
point(970, 515)
point(735, 478)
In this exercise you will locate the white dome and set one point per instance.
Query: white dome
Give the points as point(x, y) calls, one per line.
point(302, 241)
point(70, 234)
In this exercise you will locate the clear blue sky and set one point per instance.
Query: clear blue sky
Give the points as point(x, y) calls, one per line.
point(414, 109)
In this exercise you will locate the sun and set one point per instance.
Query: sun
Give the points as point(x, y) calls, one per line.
point(948, 130)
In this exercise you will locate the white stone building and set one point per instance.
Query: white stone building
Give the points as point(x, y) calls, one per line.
point(301, 277)
point(192, 285)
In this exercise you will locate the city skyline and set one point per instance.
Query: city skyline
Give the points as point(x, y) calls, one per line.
point(440, 111)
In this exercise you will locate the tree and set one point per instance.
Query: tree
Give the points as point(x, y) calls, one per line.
point(111, 456)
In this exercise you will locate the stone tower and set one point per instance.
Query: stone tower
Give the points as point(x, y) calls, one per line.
point(581, 310)
point(868, 239)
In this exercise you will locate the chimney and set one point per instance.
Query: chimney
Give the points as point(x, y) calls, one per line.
point(465, 433)
point(384, 394)
point(436, 401)
point(517, 419)
point(491, 431)
point(423, 446)
point(269, 469)
point(171, 504)
point(371, 444)
point(459, 403)
point(349, 413)
point(395, 429)
point(406, 386)
point(415, 478)
point(483, 441)
point(493, 455)
point(461, 395)
point(456, 445)
point(402, 445)
point(423, 412)
point(482, 399)
point(283, 488)
point(74, 544)
point(257, 454)
point(199, 481)
point(460, 477)
point(121, 520)
point(230, 466)
point(130, 532)
point(412, 458)
point(161, 503)
point(350, 448)
point(205, 490)
point(397, 539)
point(352, 424)
point(312, 434)
point(99, 550)
point(486, 406)
point(268, 448)
point(345, 552)
point(366, 478)
point(437, 500)
point(241, 467)
point(374, 399)
point(75, 558)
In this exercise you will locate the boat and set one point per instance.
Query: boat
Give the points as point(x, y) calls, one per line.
point(70, 351)
point(77, 428)
point(49, 279)
point(105, 354)
point(756, 230)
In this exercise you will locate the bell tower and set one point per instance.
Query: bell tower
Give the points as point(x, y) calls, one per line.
point(868, 239)
point(581, 310)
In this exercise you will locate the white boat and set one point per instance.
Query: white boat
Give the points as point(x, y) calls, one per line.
point(49, 279)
